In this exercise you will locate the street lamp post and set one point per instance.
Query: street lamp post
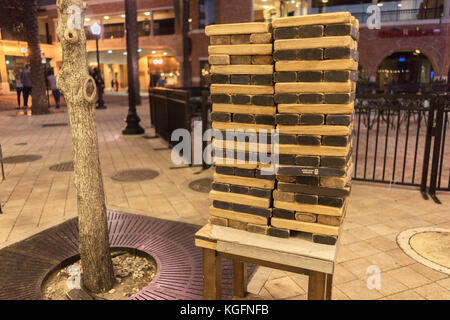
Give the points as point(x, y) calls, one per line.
point(96, 30)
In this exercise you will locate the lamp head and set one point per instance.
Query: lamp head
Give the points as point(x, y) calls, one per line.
point(96, 29)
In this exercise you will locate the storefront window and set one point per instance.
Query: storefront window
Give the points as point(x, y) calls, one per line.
point(14, 64)
point(204, 73)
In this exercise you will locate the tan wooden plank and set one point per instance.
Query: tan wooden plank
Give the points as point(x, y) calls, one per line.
point(244, 217)
point(241, 89)
point(241, 126)
point(316, 108)
point(311, 208)
point(323, 18)
point(319, 130)
point(243, 69)
point(310, 43)
point(322, 87)
point(237, 28)
point(219, 59)
point(314, 150)
point(241, 49)
point(305, 226)
point(243, 146)
point(239, 198)
point(243, 108)
point(205, 244)
point(244, 181)
point(314, 65)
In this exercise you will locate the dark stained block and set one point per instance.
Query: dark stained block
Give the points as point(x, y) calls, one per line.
point(287, 138)
point(222, 205)
point(251, 210)
point(285, 55)
point(243, 118)
point(224, 187)
point(338, 98)
point(239, 189)
point(312, 161)
point(331, 201)
point(266, 175)
point(240, 59)
point(249, 173)
point(286, 158)
point(225, 170)
point(311, 181)
point(339, 119)
point(285, 33)
point(262, 79)
point(309, 76)
point(333, 162)
point(240, 79)
point(306, 198)
point(265, 59)
point(323, 239)
point(265, 119)
point(285, 98)
point(310, 54)
point(311, 119)
point(336, 141)
point(240, 38)
point(220, 78)
point(263, 100)
point(289, 119)
point(279, 233)
point(219, 40)
point(310, 98)
point(283, 214)
point(260, 193)
point(315, 190)
point(308, 140)
point(285, 76)
point(221, 116)
point(338, 29)
point(337, 75)
point(313, 31)
point(337, 53)
point(220, 98)
point(240, 99)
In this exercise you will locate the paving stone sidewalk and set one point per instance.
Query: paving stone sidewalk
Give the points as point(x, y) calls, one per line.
point(34, 197)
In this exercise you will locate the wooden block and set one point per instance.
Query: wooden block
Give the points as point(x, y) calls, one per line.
point(331, 201)
point(224, 187)
point(280, 55)
point(221, 205)
point(316, 108)
point(285, 33)
point(256, 228)
point(261, 37)
point(223, 169)
point(241, 49)
point(220, 98)
point(249, 182)
point(306, 198)
point(245, 69)
point(298, 188)
point(312, 98)
point(313, 150)
point(263, 100)
point(242, 146)
point(287, 119)
point(286, 98)
point(219, 78)
point(310, 43)
point(309, 54)
point(310, 171)
point(311, 65)
point(240, 79)
point(262, 193)
point(337, 98)
point(283, 214)
point(324, 239)
point(244, 217)
point(305, 217)
point(334, 182)
point(241, 60)
point(284, 178)
point(304, 226)
point(221, 116)
point(232, 108)
point(240, 89)
point(278, 232)
point(262, 59)
point(238, 28)
point(286, 159)
point(312, 19)
point(259, 211)
point(242, 126)
point(240, 38)
point(319, 130)
point(311, 208)
point(308, 140)
point(309, 76)
point(262, 79)
point(307, 180)
point(219, 59)
point(329, 220)
point(345, 29)
point(312, 31)
point(340, 75)
point(219, 40)
point(235, 224)
point(286, 76)
point(303, 87)
point(337, 141)
point(340, 119)
point(218, 221)
point(241, 99)
point(283, 196)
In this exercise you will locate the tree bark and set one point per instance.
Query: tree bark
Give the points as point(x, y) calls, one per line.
point(39, 97)
point(80, 94)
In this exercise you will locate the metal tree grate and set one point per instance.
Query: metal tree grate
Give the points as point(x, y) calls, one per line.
point(22, 158)
point(201, 185)
point(134, 175)
point(62, 124)
point(25, 265)
point(62, 167)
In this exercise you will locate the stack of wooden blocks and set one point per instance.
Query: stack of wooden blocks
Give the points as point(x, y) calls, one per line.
point(310, 102)
point(315, 80)
point(242, 90)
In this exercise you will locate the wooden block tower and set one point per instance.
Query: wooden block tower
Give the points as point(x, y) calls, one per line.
point(316, 63)
point(242, 91)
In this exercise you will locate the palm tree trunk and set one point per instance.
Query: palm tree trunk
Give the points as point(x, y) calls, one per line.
point(39, 98)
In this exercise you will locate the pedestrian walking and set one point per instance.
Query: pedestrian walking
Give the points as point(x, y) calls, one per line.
point(19, 86)
point(25, 78)
point(52, 81)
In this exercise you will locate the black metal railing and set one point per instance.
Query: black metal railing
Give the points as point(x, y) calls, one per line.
point(403, 15)
point(390, 139)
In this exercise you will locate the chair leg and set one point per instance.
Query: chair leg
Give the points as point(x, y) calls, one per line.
point(239, 278)
point(212, 276)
